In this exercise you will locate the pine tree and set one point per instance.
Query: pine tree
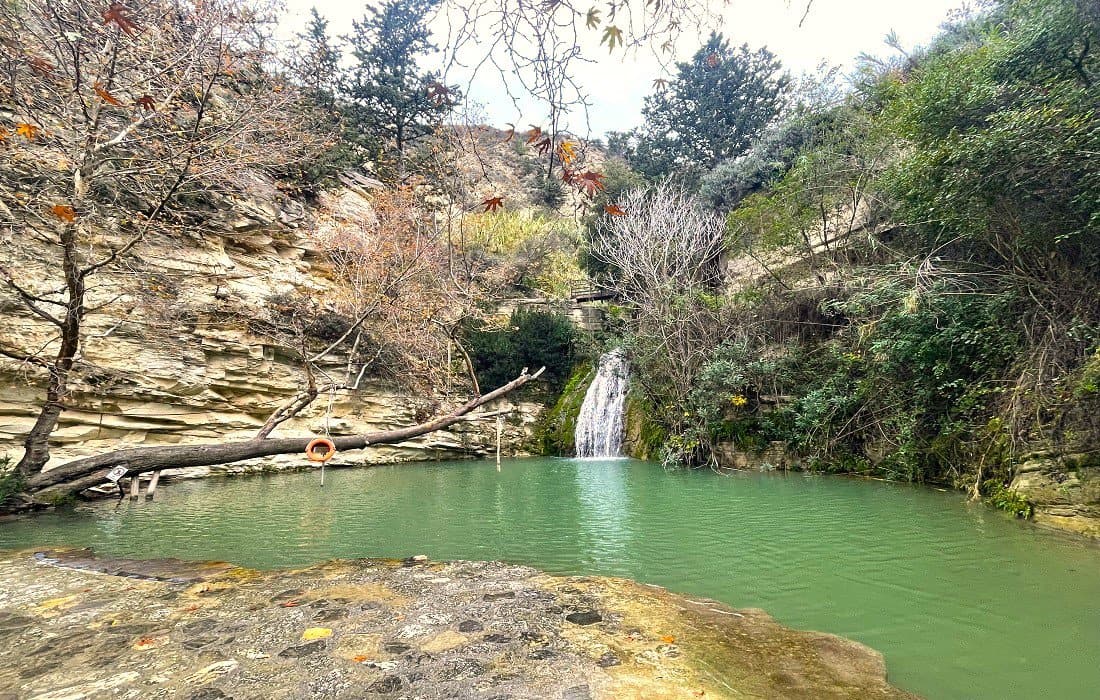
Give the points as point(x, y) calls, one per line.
point(719, 102)
point(315, 61)
point(392, 105)
point(314, 65)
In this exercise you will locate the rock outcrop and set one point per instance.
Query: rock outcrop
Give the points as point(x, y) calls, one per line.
point(413, 628)
point(1063, 490)
point(173, 358)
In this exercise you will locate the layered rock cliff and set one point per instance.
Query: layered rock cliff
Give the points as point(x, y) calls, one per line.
point(172, 357)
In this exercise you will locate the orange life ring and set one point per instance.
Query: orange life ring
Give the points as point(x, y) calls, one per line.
point(330, 450)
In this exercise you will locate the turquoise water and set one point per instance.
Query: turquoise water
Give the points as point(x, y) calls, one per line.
point(963, 601)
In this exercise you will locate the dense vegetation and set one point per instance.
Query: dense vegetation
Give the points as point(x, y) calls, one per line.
point(897, 276)
point(532, 339)
point(916, 287)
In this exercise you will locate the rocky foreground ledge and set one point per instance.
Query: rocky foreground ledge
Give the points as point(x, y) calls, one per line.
point(74, 626)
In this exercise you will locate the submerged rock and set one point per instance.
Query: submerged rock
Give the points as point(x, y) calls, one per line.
point(218, 631)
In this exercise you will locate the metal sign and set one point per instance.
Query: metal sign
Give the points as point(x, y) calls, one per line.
point(115, 474)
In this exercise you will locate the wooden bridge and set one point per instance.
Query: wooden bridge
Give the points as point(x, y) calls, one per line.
point(590, 294)
point(585, 306)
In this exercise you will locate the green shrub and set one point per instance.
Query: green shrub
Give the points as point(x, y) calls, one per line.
point(1088, 383)
point(999, 128)
point(534, 253)
point(532, 339)
point(11, 481)
point(1004, 498)
point(914, 374)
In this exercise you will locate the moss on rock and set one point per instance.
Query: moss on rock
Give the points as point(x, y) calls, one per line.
point(644, 436)
point(556, 432)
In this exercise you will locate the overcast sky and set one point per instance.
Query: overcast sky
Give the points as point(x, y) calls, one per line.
point(835, 31)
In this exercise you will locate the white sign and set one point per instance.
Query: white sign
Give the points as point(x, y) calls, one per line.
point(115, 474)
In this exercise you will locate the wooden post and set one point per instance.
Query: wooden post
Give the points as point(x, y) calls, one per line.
point(152, 485)
point(135, 487)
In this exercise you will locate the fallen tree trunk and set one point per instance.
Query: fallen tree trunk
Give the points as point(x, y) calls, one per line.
point(78, 475)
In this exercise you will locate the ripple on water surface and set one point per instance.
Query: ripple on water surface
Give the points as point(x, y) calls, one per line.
point(963, 601)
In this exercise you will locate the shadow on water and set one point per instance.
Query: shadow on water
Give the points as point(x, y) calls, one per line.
point(964, 601)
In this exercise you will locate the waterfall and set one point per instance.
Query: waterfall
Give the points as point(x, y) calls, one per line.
point(600, 423)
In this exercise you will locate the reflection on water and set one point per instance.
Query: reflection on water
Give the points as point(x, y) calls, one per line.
point(605, 510)
point(963, 601)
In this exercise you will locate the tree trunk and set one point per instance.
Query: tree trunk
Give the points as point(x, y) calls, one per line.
point(73, 477)
point(400, 141)
point(36, 448)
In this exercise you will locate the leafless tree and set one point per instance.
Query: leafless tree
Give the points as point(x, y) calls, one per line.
point(395, 294)
point(664, 253)
point(539, 48)
point(122, 120)
point(543, 49)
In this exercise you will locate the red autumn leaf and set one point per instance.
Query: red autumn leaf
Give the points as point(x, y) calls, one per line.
point(614, 210)
point(568, 176)
point(147, 103)
point(492, 204)
point(28, 131)
point(40, 65)
point(660, 84)
point(439, 94)
point(713, 60)
point(544, 146)
point(148, 643)
point(106, 96)
point(511, 133)
point(64, 212)
point(117, 13)
point(291, 603)
point(590, 182)
point(534, 134)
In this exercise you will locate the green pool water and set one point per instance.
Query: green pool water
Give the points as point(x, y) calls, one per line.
point(963, 601)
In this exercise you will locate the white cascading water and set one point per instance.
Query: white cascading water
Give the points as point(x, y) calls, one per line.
point(599, 430)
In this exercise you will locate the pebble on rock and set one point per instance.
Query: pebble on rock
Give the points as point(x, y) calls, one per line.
point(584, 617)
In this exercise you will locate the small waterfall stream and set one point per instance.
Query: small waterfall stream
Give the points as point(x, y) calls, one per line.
point(599, 430)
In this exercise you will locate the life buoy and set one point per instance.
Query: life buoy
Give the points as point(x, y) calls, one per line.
point(330, 450)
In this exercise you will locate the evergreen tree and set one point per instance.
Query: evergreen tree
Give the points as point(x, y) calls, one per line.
point(718, 104)
point(314, 64)
point(315, 61)
point(392, 104)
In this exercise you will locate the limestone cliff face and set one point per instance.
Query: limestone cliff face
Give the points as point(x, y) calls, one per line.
point(171, 358)
point(1064, 490)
